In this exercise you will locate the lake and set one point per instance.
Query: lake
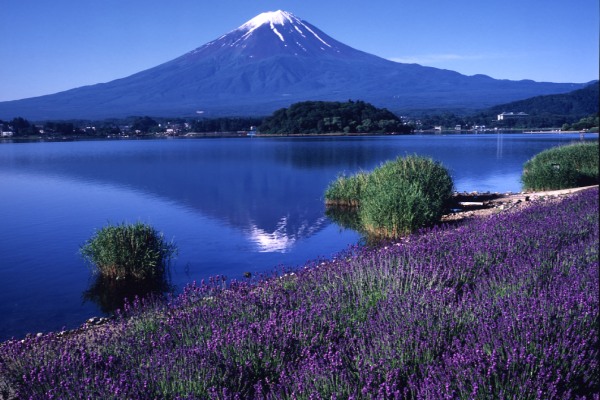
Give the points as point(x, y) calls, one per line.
point(230, 205)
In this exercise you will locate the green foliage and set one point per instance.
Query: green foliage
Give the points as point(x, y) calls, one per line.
point(22, 127)
point(317, 117)
point(590, 123)
point(579, 103)
point(59, 127)
point(346, 190)
point(129, 251)
point(404, 195)
point(393, 208)
point(397, 198)
point(432, 178)
point(562, 167)
point(144, 124)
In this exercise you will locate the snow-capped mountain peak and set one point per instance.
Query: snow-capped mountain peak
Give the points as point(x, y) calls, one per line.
point(278, 17)
point(284, 27)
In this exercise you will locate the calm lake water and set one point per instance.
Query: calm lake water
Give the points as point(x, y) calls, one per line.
point(230, 205)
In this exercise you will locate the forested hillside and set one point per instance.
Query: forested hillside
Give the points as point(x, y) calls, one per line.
point(577, 104)
point(577, 109)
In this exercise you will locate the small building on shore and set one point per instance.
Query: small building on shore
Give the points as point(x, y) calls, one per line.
point(5, 131)
point(511, 115)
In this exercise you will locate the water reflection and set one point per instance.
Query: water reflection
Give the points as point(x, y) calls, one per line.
point(499, 145)
point(345, 217)
point(109, 294)
point(269, 188)
point(285, 235)
point(350, 152)
point(252, 186)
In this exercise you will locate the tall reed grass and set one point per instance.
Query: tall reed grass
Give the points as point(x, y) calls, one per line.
point(562, 167)
point(129, 251)
point(396, 198)
point(346, 191)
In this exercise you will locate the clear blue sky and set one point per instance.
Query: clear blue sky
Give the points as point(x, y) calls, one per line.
point(50, 46)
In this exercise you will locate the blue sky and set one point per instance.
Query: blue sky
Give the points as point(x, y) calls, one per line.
point(50, 46)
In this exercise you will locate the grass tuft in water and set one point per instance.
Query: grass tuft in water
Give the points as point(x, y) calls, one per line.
point(129, 251)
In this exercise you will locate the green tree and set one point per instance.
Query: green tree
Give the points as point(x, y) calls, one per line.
point(22, 127)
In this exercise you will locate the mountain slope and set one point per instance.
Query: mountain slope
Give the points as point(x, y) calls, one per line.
point(271, 61)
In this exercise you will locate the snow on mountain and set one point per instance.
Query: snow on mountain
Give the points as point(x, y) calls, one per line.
point(282, 18)
point(269, 62)
point(278, 17)
point(276, 32)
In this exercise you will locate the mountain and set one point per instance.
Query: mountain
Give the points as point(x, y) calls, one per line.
point(270, 62)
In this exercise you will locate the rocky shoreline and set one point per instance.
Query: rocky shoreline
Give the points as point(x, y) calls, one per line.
point(477, 205)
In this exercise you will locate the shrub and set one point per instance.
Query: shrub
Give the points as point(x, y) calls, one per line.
point(396, 198)
point(129, 251)
point(404, 195)
point(392, 208)
point(562, 167)
point(430, 176)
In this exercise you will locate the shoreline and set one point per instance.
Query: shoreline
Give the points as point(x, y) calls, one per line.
point(491, 204)
point(109, 351)
point(226, 135)
point(478, 205)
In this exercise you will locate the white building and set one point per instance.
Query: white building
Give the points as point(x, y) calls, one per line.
point(511, 115)
point(5, 131)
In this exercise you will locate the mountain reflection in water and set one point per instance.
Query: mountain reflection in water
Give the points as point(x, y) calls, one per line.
point(273, 192)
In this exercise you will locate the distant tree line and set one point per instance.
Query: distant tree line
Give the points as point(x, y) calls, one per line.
point(318, 117)
point(22, 127)
point(588, 123)
point(225, 124)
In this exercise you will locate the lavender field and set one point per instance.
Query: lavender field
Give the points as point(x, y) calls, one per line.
point(504, 307)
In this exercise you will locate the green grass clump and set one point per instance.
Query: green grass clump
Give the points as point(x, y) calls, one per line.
point(129, 251)
point(396, 198)
point(346, 190)
point(562, 167)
